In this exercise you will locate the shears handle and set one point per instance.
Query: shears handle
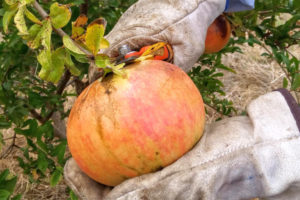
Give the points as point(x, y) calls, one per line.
point(166, 53)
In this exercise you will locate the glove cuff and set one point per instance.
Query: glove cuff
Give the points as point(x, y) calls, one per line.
point(294, 107)
point(239, 5)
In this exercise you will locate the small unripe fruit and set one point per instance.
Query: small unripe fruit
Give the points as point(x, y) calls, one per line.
point(218, 35)
point(124, 127)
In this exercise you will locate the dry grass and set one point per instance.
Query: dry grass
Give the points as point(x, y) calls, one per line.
point(255, 75)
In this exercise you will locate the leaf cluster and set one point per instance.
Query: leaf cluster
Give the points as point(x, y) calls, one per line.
point(273, 25)
point(7, 186)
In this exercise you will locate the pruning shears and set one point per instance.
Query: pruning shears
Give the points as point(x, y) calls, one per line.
point(157, 51)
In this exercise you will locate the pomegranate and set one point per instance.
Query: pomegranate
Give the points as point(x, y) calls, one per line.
point(124, 127)
point(218, 35)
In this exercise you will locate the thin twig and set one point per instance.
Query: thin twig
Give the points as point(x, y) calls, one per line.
point(36, 115)
point(63, 82)
point(80, 85)
point(284, 70)
point(59, 31)
point(215, 109)
point(10, 148)
point(84, 7)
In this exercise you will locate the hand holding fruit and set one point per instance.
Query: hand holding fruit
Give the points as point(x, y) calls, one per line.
point(233, 160)
point(182, 24)
point(224, 164)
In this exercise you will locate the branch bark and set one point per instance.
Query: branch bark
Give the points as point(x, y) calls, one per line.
point(84, 7)
point(59, 31)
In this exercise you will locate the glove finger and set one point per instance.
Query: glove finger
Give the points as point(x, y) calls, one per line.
point(82, 185)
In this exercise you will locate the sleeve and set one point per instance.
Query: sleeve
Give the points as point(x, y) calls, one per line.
point(239, 5)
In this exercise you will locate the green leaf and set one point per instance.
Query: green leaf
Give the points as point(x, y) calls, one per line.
point(101, 60)
point(73, 196)
point(41, 144)
point(71, 66)
point(8, 15)
point(69, 44)
point(221, 66)
point(1, 141)
point(42, 161)
point(59, 151)
point(44, 58)
point(4, 194)
point(20, 20)
point(8, 183)
point(285, 82)
point(35, 99)
point(60, 15)
point(296, 82)
point(4, 123)
point(17, 197)
point(94, 36)
point(55, 178)
point(32, 17)
point(3, 175)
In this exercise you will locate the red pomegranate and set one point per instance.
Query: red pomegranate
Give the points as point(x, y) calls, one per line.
point(124, 127)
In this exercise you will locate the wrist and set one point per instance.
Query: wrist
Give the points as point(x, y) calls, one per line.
point(239, 5)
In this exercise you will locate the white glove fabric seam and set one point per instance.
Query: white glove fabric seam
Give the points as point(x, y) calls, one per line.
point(163, 29)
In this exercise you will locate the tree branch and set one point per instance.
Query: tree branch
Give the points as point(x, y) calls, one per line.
point(10, 148)
point(63, 82)
point(59, 31)
point(84, 7)
point(36, 115)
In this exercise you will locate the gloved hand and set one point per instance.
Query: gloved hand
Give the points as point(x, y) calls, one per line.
point(182, 24)
point(237, 158)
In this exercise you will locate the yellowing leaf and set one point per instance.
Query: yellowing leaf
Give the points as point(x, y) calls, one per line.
point(29, 1)
point(77, 31)
point(69, 44)
point(44, 59)
point(32, 17)
point(60, 15)
point(34, 36)
point(10, 2)
point(153, 48)
point(20, 21)
point(80, 21)
point(52, 65)
point(93, 37)
point(8, 15)
point(104, 43)
point(117, 69)
point(46, 34)
point(57, 68)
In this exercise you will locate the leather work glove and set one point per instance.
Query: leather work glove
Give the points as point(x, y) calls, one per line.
point(237, 158)
point(182, 24)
